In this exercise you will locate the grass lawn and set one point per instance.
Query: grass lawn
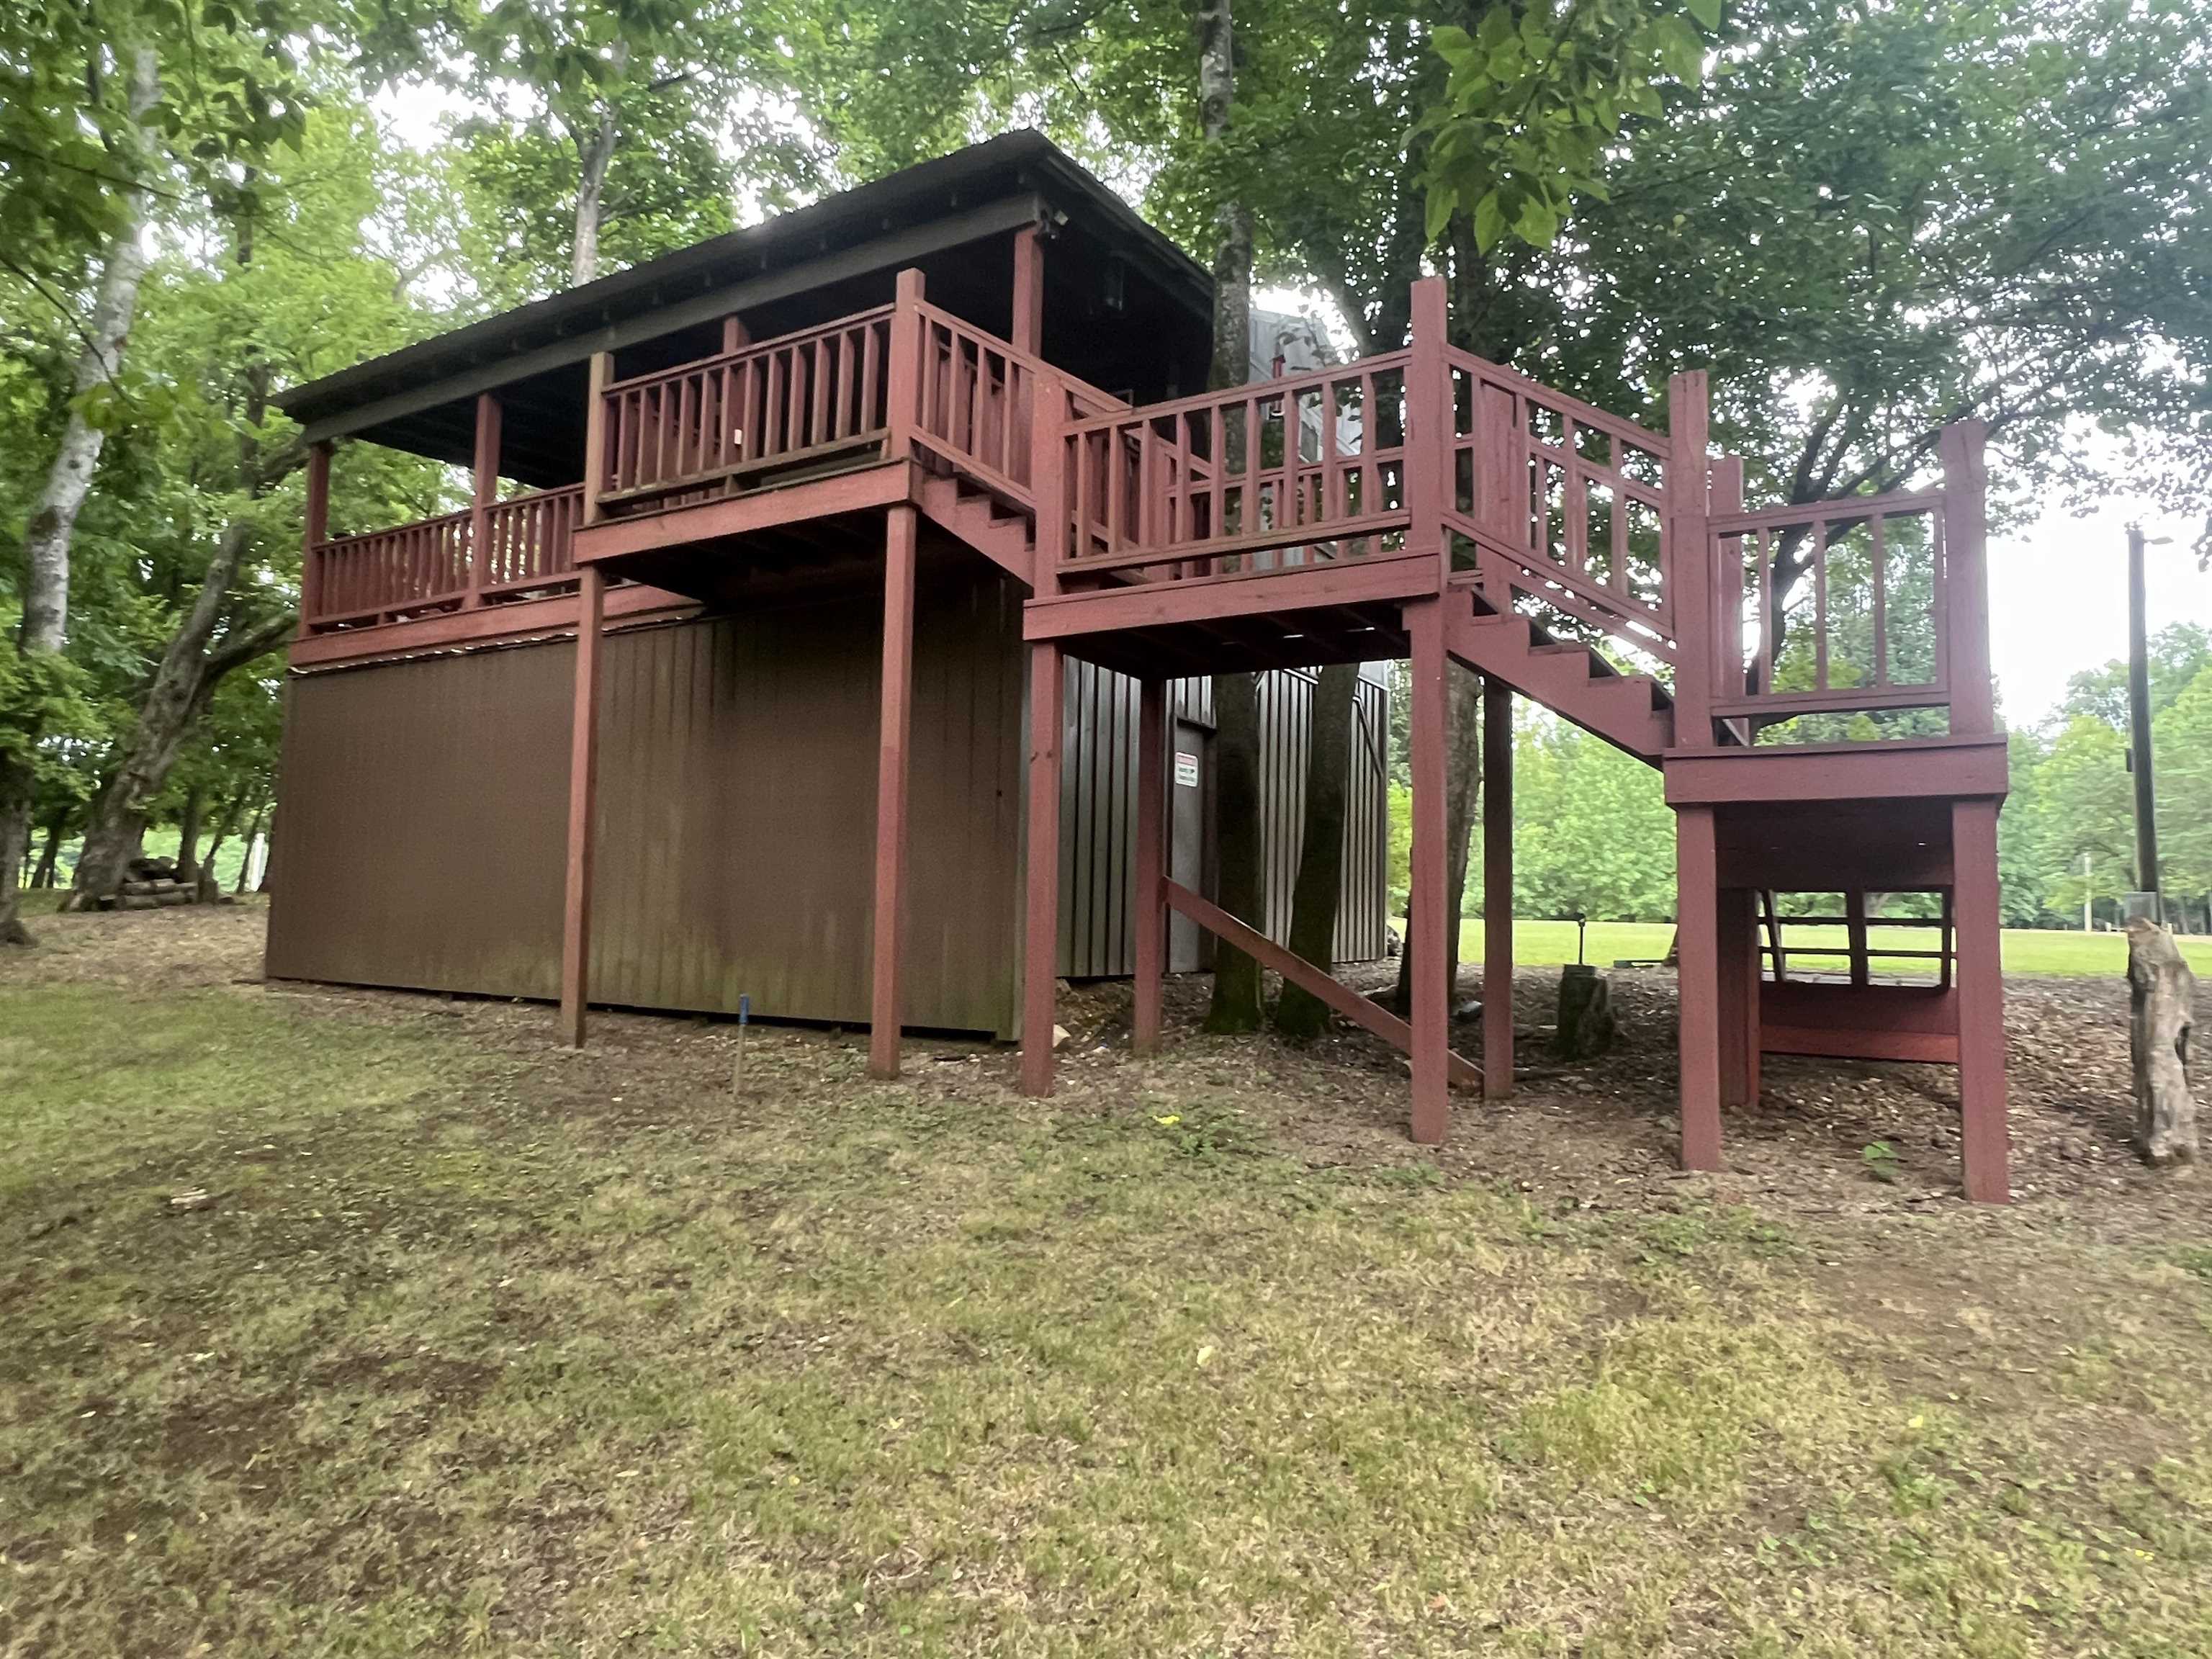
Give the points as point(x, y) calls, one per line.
point(480, 1347)
point(2027, 950)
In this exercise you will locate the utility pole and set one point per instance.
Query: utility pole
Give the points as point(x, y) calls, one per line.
point(2139, 725)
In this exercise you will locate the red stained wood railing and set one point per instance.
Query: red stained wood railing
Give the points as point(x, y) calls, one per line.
point(975, 396)
point(1562, 501)
point(385, 573)
point(414, 568)
point(529, 542)
point(1848, 600)
point(1300, 469)
point(726, 422)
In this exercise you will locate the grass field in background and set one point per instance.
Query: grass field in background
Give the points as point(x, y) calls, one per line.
point(2026, 949)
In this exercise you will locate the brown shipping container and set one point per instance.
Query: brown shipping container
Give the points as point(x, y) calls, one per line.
point(421, 832)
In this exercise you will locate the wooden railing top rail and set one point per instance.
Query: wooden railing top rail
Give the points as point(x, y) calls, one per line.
point(1287, 385)
point(1582, 414)
point(750, 349)
point(461, 516)
point(1838, 509)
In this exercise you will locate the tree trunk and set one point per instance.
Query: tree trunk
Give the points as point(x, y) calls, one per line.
point(1240, 890)
point(1237, 1004)
point(1299, 1013)
point(211, 889)
point(1462, 794)
point(188, 834)
point(50, 857)
point(53, 526)
point(253, 834)
point(269, 854)
point(191, 667)
point(2162, 994)
point(591, 197)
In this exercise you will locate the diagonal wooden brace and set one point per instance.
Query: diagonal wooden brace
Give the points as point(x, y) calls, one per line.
point(1361, 1011)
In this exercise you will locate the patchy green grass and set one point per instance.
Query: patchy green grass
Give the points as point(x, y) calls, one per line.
point(1818, 950)
point(482, 1348)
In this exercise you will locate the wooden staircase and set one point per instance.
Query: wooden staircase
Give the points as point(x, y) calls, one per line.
point(1632, 712)
point(1002, 532)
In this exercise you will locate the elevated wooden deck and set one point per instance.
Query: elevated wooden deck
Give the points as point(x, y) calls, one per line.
point(1422, 503)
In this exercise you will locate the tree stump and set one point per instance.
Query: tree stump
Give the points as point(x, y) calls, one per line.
point(2163, 999)
point(1586, 1027)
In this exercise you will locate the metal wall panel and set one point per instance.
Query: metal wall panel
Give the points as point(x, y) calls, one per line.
point(1097, 858)
point(424, 801)
point(424, 805)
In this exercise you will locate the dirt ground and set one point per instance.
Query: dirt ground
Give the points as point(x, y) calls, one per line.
point(1596, 1134)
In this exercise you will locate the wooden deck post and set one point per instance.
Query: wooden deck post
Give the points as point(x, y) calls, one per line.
point(1497, 888)
point(1965, 599)
point(1697, 926)
point(595, 433)
point(317, 533)
point(1986, 1143)
point(1426, 922)
point(1695, 594)
point(583, 779)
point(893, 732)
point(734, 333)
point(1041, 936)
point(1026, 332)
point(1429, 421)
point(1152, 834)
point(483, 491)
point(904, 373)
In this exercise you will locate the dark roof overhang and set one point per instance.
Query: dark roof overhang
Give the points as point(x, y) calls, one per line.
point(987, 189)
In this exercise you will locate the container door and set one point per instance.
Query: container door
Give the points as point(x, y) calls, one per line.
point(1190, 794)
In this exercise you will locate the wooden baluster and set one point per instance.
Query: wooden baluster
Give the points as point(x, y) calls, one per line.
point(1117, 504)
point(772, 408)
point(841, 422)
point(818, 367)
point(872, 370)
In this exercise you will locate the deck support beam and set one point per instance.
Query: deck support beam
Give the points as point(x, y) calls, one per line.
point(894, 733)
point(1149, 900)
point(1027, 332)
point(1426, 924)
point(583, 778)
point(1041, 936)
point(317, 531)
point(483, 492)
point(1985, 1139)
point(1697, 931)
point(1497, 888)
point(1739, 974)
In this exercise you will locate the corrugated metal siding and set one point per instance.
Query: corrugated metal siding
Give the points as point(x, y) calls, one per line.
point(423, 805)
point(1098, 812)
